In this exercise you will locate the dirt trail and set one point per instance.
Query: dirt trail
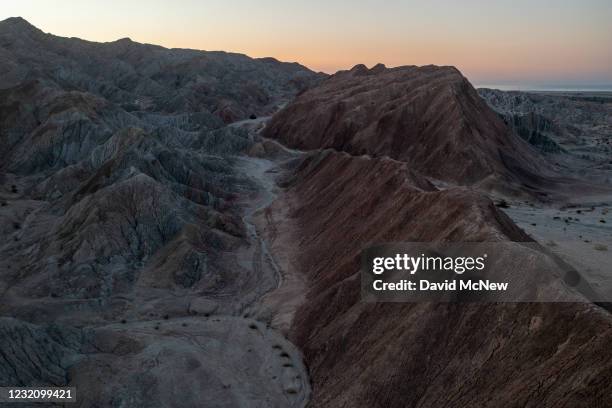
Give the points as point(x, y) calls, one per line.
point(260, 172)
point(288, 369)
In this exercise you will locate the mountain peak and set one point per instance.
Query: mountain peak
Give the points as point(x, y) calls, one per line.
point(17, 24)
point(16, 21)
point(378, 68)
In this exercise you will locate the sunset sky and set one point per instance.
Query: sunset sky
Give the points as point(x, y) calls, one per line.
point(491, 42)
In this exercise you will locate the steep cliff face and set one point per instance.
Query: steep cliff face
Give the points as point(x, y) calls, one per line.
point(574, 128)
point(526, 119)
point(430, 117)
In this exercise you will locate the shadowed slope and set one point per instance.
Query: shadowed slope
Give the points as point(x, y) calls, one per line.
point(427, 354)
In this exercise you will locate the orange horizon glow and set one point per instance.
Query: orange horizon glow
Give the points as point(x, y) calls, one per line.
point(489, 42)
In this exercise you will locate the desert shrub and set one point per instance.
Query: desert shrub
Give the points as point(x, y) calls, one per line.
point(502, 204)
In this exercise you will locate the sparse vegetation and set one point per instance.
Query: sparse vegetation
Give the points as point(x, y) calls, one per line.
point(601, 247)
point(502, 204)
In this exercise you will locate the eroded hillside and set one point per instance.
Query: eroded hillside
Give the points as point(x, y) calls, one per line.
point(152, 253)
point(128, 262)
point(344, 199)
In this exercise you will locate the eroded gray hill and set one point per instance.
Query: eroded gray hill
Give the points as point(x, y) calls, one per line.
point(125, 261)
point(148, 77)
point(574, 129)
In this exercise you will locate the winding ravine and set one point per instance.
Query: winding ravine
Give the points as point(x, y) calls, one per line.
point(259, 172)
point(293, 374)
